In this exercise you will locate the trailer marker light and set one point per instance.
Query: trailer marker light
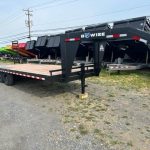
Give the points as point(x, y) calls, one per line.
point(24, 75)
point(144, 41)
point(109, 36)
point(116, 36)
point(123, 35)
point(72, 39)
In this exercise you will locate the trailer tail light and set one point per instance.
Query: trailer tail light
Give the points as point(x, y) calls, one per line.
point(138, 38)
point(116, 36)
point(72, 39)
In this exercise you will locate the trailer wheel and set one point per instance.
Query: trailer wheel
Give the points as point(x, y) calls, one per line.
point(1, 77)
point(9, 79)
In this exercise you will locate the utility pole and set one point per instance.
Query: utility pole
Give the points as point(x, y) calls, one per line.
point(28, 22)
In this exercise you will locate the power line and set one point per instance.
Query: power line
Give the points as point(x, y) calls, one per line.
point(45, 3)
point(36, 34)
point(102, 14)
point(38, 31)
point(60, 4)
point(9, 41)
point(7, 37)
point(10, 17)
point(11, 20)
point(56, 29)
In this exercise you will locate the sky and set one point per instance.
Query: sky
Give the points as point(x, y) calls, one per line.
point(56, 14)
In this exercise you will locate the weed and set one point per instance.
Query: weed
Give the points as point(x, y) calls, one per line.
point(83, 130)
point(103, 109)
point(111, 94)
point(75, 109)
point(127, 123)
point(77, 137)
point(115, 142)
point(50, 109)
point(130, 143)
point(125, 117)
point(97, 131)
point(148, 130)
point(89, 118)
point(73, 130)
point(145, 106)
point(107, 122)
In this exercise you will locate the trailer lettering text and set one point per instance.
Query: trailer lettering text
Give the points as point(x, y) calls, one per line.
point(92, 35)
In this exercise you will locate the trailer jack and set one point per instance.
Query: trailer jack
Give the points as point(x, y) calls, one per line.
point(83, 94)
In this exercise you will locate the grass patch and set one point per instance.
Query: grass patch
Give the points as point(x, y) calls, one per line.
point(6, 61)
point(133, 79)
point(97, 131)
point(115, 142)
point(67, 119)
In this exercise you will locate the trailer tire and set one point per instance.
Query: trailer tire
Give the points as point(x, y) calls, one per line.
point(9, 79)
point(1, 77)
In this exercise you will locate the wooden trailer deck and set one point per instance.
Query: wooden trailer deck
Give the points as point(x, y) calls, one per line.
point(33, 68)
point(36, 69)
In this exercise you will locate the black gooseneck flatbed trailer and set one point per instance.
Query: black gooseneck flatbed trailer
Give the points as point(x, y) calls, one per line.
point(66, 47)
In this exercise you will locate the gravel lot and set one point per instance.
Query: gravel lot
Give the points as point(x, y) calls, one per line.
point(40, 116)
point(30, 119)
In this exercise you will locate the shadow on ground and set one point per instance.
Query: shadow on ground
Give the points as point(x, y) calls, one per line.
point(44, 89)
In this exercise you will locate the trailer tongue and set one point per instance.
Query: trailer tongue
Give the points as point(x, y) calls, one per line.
point(94, 40)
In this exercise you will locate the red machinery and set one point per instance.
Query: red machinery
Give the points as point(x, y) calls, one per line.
point(21, 49)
